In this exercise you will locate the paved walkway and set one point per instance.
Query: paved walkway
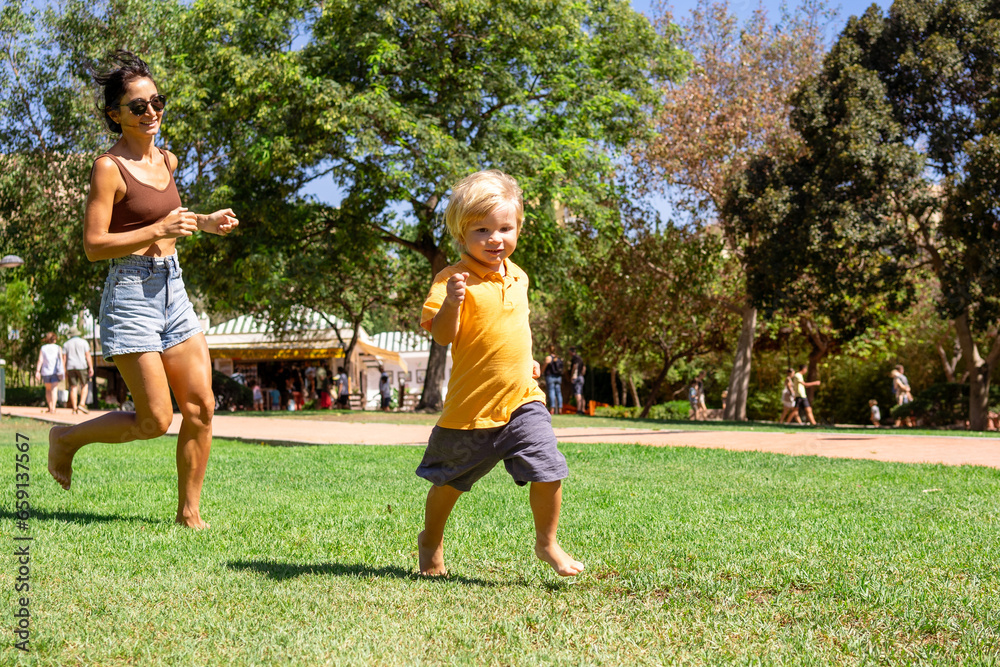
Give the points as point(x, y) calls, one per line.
point(880, 446)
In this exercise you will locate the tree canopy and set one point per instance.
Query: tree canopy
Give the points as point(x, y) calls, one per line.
point(391, 101)
point(900, 131)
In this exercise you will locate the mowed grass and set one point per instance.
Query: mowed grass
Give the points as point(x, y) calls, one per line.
point(578, 421)
point(693, 556)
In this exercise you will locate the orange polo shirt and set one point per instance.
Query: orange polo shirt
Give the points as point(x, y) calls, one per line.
point(491, 354)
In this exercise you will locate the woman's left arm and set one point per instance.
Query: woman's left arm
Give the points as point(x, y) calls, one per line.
point(221, 222)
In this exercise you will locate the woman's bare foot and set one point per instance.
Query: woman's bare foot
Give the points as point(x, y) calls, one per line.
point(191, 521)
point(553, 554)
point(431, 557)
point(60, 457)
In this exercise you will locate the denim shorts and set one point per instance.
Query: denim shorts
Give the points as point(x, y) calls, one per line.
point(145, 307)
point(52, 379)
point(526, 445)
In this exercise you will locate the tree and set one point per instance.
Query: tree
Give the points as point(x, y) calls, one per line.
point(46, 149)
point(735, 103)
point(394, 101)
point(900, 171)
point(427, 92)
point(648, 298)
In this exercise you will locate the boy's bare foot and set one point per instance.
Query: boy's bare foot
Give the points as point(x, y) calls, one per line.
point(564, 564)
point(431, 557)
point(60, 458)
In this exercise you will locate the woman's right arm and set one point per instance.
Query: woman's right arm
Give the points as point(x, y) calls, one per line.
point(105, 182)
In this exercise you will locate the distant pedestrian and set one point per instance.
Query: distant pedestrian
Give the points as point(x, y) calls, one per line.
point(693, 399)
point(79, 369)
point(552, 370)
point(696, 397)
point(50, 369)
point(801, 398)
point(258, 398)
point(385, 389)
point(789, 411)
point(343, 396)
point(901, 390)
point(577, 371)
point(876, 414)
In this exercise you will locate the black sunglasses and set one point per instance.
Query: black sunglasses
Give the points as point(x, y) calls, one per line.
point(138, 107)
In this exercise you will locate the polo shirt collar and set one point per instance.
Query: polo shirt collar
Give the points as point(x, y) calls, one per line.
point(480, 270)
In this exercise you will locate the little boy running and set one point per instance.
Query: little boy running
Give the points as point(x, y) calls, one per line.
point(494, 410)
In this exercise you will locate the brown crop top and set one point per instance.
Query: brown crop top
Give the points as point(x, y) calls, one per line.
point(142, 204)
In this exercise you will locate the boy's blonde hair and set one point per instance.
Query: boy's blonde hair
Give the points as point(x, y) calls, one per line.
point(476, 195)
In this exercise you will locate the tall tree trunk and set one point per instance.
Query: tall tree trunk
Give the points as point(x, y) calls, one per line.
point(614, 388)
point(980, 370)
point(949, 365)
point(430, 399)
point(739, 379)
point(633, 391)
point(654, 390)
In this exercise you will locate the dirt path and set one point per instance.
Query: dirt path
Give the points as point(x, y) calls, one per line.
point(881, 446)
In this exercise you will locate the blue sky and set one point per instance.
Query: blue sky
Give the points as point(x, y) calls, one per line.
point(743, 8)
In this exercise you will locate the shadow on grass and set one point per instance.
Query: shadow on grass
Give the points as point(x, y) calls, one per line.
point(80, 517)
point(282, 571)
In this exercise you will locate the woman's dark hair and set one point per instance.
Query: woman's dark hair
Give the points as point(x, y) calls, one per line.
point(114, 82)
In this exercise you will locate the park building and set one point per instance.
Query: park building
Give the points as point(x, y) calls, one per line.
point(307, 354)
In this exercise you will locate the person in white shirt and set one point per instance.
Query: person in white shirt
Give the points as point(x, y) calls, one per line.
point(50, 369)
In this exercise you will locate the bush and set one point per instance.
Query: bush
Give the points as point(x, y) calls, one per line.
point(674, 410)
point(616, 412)
point(26, 396)
point(847, 387)
point(230, 394)
point(764, 405)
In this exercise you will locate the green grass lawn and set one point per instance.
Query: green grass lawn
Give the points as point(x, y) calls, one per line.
point(575, 421)
point(693, 556)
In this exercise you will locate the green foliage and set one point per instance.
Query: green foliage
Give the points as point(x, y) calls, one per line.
point(943, 404)
point(764, 405)
point(25, 396)
point(848, 384)
point(16, 314)
point(392, 101)
point(673, 410)
point(899, 169)
point(670, 411)
point(643, 298)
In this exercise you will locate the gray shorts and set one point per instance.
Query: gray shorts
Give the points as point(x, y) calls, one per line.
point(526, 445)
